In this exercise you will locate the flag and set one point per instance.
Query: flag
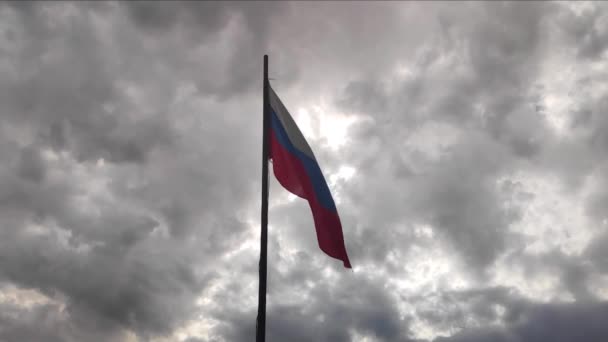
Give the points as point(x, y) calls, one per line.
point(296, 168)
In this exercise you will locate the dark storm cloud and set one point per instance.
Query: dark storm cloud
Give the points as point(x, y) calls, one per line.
point(361, 307)
point(47, 322)
point(40, 324)
point(501, 314)
point(140, 287)
point(546, 322)
point(454, 310)
point(595, 136)
point(31, 165)
point(597, 253)
point(23, 327)
point(573, 271)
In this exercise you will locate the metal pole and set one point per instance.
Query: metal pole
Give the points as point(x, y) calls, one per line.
point(261, 320)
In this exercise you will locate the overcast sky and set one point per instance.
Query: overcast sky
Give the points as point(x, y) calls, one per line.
point(465, 144)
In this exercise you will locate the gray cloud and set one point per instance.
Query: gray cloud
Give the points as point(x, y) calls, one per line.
point(101, 252)
point(69, 97)
point(129, 169)
point(228, 71)
point(585, 31)
point(488, 102)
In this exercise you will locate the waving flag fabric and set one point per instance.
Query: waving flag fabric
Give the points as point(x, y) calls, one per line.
point(296, 168)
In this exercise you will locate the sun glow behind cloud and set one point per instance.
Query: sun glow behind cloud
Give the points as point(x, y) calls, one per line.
point(319, 123)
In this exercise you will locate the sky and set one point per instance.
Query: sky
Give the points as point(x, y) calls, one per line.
point(465, 145)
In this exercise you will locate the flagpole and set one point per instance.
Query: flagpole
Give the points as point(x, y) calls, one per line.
point(261, 320)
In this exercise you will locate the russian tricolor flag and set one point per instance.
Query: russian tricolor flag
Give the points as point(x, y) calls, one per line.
point(296, 168)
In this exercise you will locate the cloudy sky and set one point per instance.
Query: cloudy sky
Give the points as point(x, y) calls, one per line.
point(466, 145)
